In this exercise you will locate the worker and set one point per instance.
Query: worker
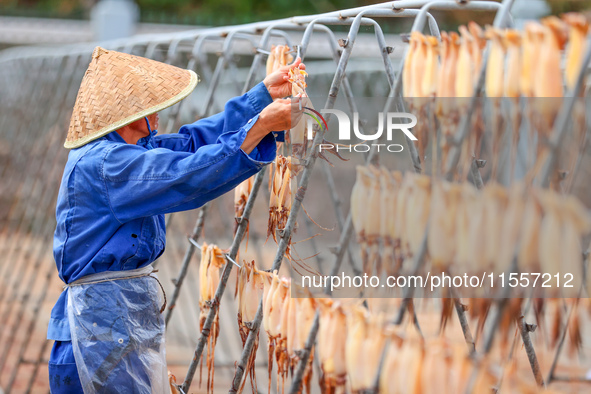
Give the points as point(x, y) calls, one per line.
point(119, 181)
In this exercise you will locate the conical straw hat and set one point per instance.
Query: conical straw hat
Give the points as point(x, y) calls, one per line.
point(118, 89)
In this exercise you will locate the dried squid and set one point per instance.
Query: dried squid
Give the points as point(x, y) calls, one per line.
point(297, 134)
point(250, 286)
point(276, 300)
point(513, 44)
point(279, 56)
point(332, 334)
point(578, 27)
point(548, 90)
point(365, 336)
point(241, 194)
point(495, 71)
point(212, 259)
point(447, 110)
point(284, 181)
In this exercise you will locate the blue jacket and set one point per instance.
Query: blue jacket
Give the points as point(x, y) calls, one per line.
point(113, 195)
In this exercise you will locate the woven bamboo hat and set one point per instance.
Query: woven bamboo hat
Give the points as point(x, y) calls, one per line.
point(118, 89)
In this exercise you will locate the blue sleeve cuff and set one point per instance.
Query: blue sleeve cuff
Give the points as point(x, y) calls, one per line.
point(259, 97)
point(265, 152)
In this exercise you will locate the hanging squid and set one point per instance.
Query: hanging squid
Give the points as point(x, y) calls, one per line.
point(512, 92)
point(304, 318)
point(578, 27)
point(332, 334)
point(241, 194)
point(298, 135)
point(250, 287)
point(274, 303)
point(279, 56)
point(447, 110)
point(212, 259)
point(284, 181)
point(495, 71)
point(365, 336)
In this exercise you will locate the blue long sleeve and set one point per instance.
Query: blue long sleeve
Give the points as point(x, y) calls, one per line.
point(237, 112)
point(141, 182)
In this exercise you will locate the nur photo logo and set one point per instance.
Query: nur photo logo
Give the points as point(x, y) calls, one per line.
point(389, 123)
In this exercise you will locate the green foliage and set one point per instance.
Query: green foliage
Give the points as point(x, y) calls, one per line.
point(562, 6)
point(221, 12)
point(47, 8)
point(206, 12)
point(227, 12)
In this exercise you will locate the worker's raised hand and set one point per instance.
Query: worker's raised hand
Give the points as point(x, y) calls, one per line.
point(277, 82)
point(281, 114)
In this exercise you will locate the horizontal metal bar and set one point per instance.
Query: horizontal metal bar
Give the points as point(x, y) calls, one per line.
point(443, 5)
point(572, 379)
point(157, 39)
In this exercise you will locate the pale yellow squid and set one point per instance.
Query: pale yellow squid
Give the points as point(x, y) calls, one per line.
point(548, 91)
point(478, 44)
point(413, 73)
point(332, 334)
point(212, 260)
point(578, 27)
point(512, 92)
point(284, 182)
point(251, 284)
point(274, 323)
point(495, 69)
point(447, 108)
point(279, 56)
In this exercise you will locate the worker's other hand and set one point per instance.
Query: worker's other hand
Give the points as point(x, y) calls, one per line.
point(278, 84)
point(282, 114)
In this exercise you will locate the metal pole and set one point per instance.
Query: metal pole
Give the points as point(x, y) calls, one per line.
point(348, 226)
point(178, 282)
point(197, 56)
point(296, 386)
point(461, 312)
point(240, 232)
point(502, 13)
point(221, 65)
point(525, 329)
point(286, 236)
point(564, 329)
